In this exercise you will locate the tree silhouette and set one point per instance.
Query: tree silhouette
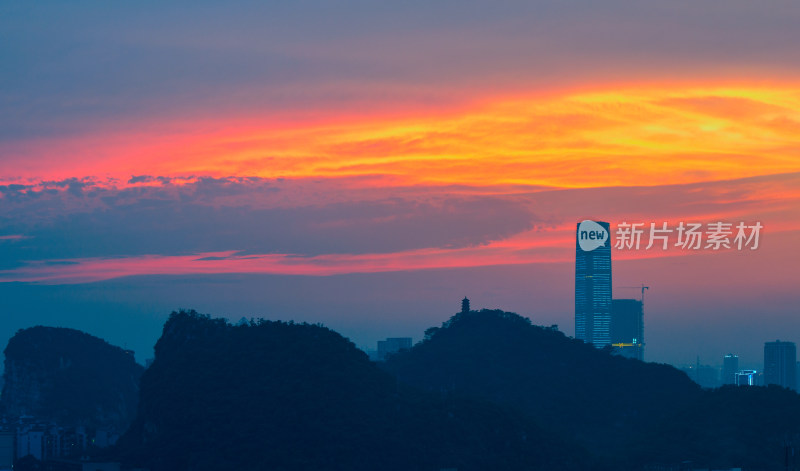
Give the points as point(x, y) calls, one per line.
point(275, 395)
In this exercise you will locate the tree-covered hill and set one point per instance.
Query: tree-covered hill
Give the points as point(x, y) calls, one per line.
point(284, 396)
point(580, 391)
point(626, 412)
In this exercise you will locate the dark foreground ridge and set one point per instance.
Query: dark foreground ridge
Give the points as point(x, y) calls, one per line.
point(285, 396)
point(626, 412)
point(69, 377)
point(485, 391)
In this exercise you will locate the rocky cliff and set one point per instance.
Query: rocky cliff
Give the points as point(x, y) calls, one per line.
point(70, 377)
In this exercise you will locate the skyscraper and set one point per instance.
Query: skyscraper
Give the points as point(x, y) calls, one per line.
point(593, 283)
point(730, 366)
point(780, 363)
point(627, 327)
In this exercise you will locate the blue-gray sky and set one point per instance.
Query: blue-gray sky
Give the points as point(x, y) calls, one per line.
point(365, 165)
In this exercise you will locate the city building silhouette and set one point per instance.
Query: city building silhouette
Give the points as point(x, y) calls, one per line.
point(780, 363)
point(730, 366)
point(627, 327)
point(746, 378)
point(593, 286)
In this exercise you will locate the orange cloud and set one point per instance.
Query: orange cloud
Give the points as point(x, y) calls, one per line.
point(618, 137)
point(594, 144)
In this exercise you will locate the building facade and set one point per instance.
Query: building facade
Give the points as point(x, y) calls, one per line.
point(593, 283)
point(780, 363)
point(627, 327)
point(745, 378)
point(730, 366)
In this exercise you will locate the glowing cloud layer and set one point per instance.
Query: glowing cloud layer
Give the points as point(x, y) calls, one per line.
point(498, 181)
point(617, 137)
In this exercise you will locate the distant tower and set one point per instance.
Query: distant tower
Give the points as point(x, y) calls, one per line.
point(780, 363)
point(593, 283)
point(464, 305)
point(730, 366)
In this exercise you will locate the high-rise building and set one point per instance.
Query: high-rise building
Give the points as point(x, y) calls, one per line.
point(593, 283)
point(780, 363)
point(730, 366)
point(627, 327)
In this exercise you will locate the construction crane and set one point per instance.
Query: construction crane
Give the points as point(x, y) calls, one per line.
point(642, 287)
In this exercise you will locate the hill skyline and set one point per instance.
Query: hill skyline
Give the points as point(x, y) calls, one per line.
point(553, 402)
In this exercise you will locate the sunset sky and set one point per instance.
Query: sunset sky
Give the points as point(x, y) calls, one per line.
point(366, 165)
